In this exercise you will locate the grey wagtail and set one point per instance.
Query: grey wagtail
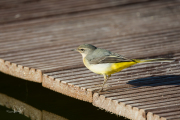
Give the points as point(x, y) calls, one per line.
point(105, 62)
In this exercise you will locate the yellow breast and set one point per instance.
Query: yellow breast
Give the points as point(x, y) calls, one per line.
point(86, 63)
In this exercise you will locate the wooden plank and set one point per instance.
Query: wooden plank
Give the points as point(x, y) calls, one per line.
point(13, 11)
point(20, 71)
point(67, 89)
point(96, 22)
point(32, 47)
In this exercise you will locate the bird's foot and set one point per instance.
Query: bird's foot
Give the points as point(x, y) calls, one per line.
point(100, 90)
point(105, 87)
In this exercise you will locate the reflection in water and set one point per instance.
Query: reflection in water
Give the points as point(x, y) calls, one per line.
point(36, 102)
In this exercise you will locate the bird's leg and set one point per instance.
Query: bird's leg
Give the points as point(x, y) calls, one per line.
point(108, 76)
point(105, 80)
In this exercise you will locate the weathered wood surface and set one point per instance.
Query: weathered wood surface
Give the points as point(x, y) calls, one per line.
point(39, 49)
point(18, 10)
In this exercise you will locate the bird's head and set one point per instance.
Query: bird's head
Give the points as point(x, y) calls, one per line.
point(85, 49)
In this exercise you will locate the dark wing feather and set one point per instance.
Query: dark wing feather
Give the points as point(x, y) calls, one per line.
point(109, 59)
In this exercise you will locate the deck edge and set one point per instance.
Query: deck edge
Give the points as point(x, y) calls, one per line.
point(151, 116)
point(20, 71)
point(67, 88)
point(120, 109)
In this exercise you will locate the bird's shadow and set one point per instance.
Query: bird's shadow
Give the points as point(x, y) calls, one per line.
point(153, 81)
point(156, 81)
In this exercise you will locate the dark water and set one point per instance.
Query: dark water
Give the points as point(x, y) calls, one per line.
point(42, 98)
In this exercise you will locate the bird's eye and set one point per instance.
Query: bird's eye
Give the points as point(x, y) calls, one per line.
point(82, 49)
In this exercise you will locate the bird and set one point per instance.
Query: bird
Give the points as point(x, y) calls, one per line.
point(105, 62)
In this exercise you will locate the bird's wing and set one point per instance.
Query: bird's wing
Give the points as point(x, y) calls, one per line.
point(109, 59)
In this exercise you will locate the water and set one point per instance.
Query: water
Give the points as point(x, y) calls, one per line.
point(43, 99)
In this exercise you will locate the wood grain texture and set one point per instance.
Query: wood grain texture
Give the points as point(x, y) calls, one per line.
point(36, 39)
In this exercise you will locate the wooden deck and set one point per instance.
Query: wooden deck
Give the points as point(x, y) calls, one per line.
point(36, 39)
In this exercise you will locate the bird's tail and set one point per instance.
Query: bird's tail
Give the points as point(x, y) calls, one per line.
point(154, 60)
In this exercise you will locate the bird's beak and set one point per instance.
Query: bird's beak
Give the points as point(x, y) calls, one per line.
point(74, 50)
